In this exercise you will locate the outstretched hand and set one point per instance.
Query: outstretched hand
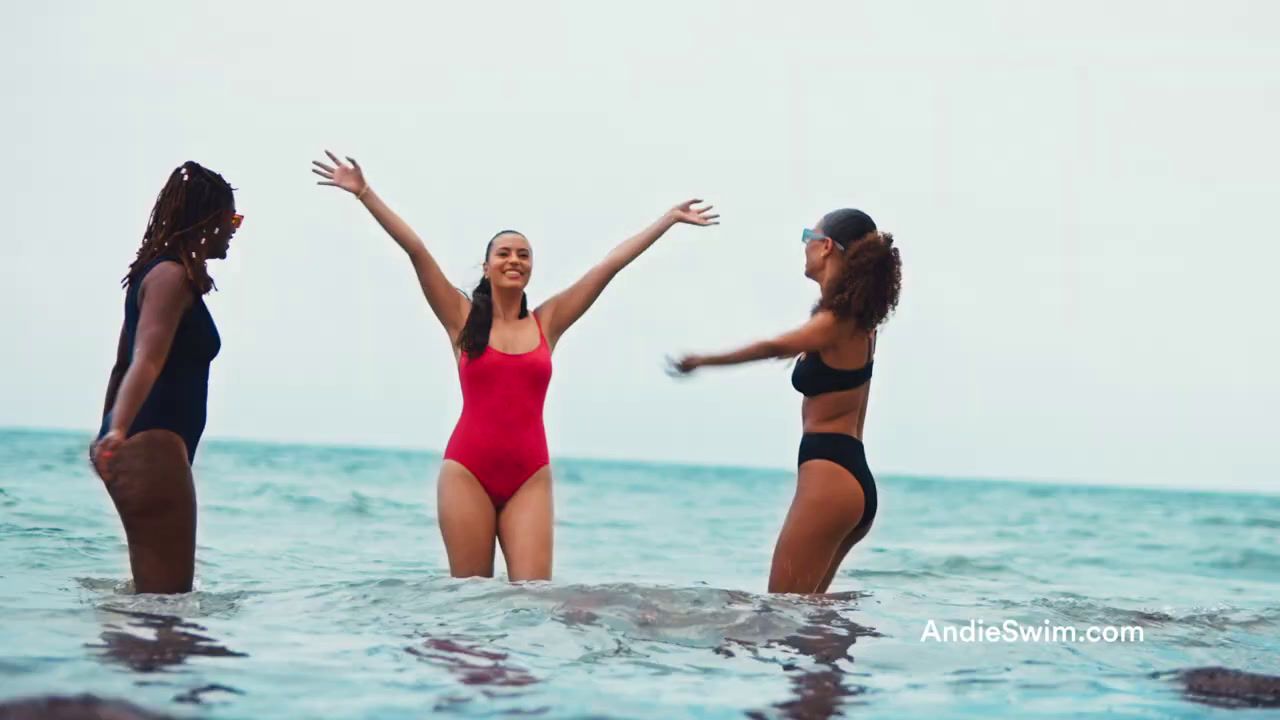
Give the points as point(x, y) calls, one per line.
point(348, 177)
point(680, 367)
point(686, 213)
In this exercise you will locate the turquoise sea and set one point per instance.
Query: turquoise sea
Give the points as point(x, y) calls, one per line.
point(323, 593)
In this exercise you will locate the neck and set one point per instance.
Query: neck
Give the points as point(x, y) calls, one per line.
point(828, 278)
point(506, 303)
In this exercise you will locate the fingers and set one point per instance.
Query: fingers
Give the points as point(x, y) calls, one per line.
point(101, 455)
point(672, 369)
point(353, 162)
point(334, 158)
point(330, 184)
point(321, 173)
point(677, 367)
point(689, 203)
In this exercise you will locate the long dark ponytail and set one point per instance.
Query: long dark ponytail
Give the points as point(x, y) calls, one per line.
point(474, 338)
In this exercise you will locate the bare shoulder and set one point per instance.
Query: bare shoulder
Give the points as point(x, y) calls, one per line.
point(167, 282)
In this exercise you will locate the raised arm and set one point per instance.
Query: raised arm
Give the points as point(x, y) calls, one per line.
point(447, 302)
point(814, 335)
point(164, 296)
point(562, 310)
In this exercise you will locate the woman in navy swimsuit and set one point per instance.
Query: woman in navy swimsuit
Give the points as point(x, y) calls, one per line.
point(156, 396)
point(860, 275)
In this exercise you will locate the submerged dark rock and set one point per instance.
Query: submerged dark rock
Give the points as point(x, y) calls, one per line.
point(1225, 687)
point(78, 707)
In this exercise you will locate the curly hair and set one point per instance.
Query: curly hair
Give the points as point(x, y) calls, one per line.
point(194, 205)
point(474, 338)
point(868, 289)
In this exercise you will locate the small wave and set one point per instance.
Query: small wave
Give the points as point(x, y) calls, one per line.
point(695, 617)
point(118, 596)
point(1223, 617)
point(966, 565)
point(909, 574)
point(1248, 522)
point(1247, 559)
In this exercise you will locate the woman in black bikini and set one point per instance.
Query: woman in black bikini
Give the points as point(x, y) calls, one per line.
point(860, 275)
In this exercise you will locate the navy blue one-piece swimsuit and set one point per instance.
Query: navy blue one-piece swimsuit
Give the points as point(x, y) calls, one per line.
point(178, 399)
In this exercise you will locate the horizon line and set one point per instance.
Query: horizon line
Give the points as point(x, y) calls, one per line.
point(975, 479)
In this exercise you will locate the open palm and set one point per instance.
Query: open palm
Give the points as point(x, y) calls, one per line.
point(347, 177)
point(685, 212)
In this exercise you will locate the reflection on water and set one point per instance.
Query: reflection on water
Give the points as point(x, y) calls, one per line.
point(174, 640)
point(487, 670)
point(470, 665)
point(153, 643)
point(819, 686)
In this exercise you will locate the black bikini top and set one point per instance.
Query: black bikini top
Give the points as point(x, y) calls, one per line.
point(812, 376)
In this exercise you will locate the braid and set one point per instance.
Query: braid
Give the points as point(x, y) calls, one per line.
point(190, 207)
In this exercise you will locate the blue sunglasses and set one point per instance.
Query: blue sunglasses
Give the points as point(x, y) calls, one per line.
point(809, 235)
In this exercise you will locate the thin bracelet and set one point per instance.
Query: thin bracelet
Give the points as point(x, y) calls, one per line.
point(360, 195)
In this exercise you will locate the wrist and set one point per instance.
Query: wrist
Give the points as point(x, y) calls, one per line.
point(363, 193)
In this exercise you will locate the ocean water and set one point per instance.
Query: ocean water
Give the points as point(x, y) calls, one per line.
point(322, 591)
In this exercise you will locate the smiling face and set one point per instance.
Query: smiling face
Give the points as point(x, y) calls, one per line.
point(220, 241)
point(510, 261)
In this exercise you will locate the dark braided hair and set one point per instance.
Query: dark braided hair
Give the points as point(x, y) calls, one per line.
point(868, 290)
point(191, 216)
point(474, 338)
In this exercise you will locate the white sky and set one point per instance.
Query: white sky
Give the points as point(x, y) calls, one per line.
point(1083, 194)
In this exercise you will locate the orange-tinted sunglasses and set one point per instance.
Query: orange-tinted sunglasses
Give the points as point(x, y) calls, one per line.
point(236, 219)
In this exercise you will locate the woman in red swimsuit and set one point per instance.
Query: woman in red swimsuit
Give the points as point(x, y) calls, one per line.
point(495, 481)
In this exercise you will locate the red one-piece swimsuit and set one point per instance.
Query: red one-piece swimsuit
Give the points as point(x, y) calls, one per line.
point(500, 437)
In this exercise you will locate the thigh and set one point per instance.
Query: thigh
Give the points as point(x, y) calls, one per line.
point(526, 529)
point(149, 473)
point(827, 506)
point(854, 538)
point(154, 493)
point(467, 521)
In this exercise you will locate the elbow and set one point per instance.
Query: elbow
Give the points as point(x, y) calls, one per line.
point(772, 349)
point(147, 367)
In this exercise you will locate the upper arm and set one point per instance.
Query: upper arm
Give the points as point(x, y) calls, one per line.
point(559, 312)
point(448, 303)
point(816, 334)
point(164, 296)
